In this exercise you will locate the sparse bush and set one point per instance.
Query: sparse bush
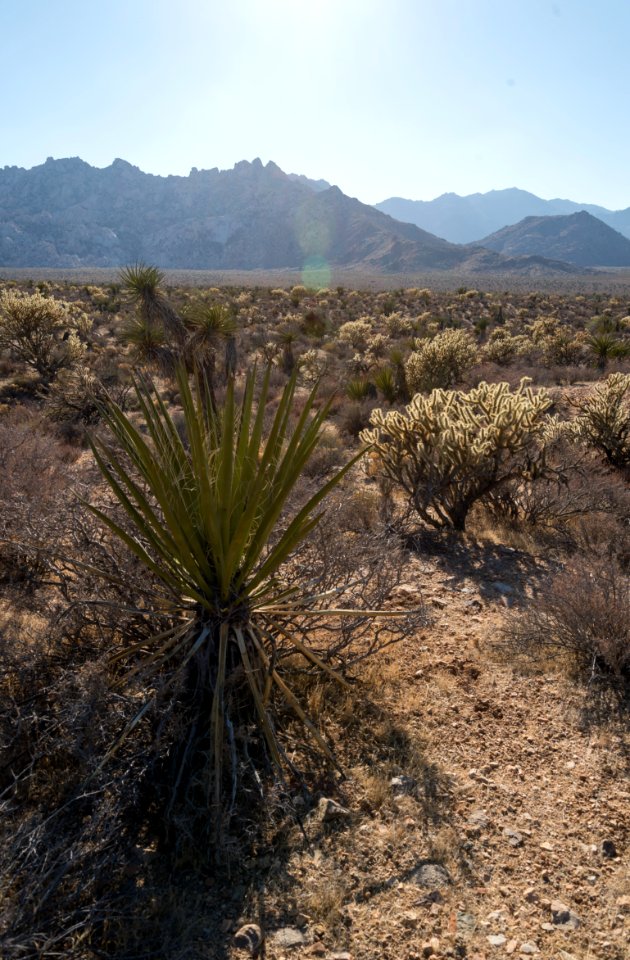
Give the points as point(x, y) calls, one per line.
point(439, 363)
point(452, 448)
point(582, 619)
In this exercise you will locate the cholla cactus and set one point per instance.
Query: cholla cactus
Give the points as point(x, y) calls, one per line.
point(440, 362)
point(604, 420)
point(398, 325)
point(41, 332)
point(502, 347)
point(452, 448)
point(312, 364)
point(376, 346)
point(356, 332)
point(269, 352)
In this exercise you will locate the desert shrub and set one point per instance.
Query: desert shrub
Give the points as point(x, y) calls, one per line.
point(314, 324)
point(452, 448)
point(582, 619)
point(604, 420)
point(41, 332)
point(561, 483)
point(35, 479)
point(439, 363)
point(328, 454)
point(355, 418)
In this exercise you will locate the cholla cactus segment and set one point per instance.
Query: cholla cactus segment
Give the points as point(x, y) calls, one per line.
point(604, 420)
point(440, 362)
point(452, 448)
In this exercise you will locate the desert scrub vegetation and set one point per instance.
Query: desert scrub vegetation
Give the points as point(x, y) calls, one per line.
point(451, 449)
point(41, 332)
point(580, 622)
point(130, 731)
point(440, 362)
point(603, 420)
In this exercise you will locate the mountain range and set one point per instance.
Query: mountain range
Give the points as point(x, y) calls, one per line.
point(66, 213)
point(471, 218)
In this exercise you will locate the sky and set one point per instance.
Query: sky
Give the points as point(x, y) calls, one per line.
point(410, 98)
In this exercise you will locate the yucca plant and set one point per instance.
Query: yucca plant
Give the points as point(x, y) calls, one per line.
point(204, 511)
point(385, 381)
point(209, 325)
point(360, 389)
point(141, 284)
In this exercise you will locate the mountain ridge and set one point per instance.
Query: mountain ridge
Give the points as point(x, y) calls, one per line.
point(470, 218)
point(67, 213)
point(579, 238)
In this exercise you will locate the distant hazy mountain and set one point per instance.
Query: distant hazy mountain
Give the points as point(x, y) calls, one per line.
point(66, 213)
point(578, 238)
point(468, 219)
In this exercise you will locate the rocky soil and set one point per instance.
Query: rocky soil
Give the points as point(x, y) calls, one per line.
point(497, 821)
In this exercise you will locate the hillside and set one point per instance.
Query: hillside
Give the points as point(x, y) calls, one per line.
point(468, 219)
point(579, 238)
point(66, 213)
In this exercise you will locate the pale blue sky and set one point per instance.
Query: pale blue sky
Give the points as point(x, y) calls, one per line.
point(383, 97)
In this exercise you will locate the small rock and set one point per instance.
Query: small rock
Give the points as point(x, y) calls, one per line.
point(503, 588)
point(466, 923)
point(317, 949)
point(288, 937)
point(529, 947)
point(340, 955)
point(511, 946)
point(249, 937)
point(546, 846)
point(477, 821)
point(433, 946)
point(531, 896)
point(623, 904)
point(547, 927)
point(328, 810)
point(514, 838)
point(496, 939)
point(564, 917)
point(431, 875)
point(403, 785)
point(609, 850)
point(429, 899)
point(437, 602)
point(559, 911)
